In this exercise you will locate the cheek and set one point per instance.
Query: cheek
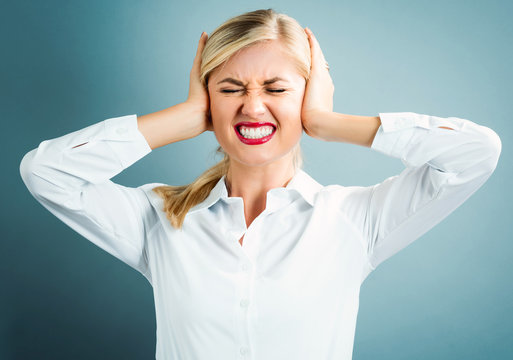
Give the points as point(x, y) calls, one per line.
point(296, 124)
point(218, 112)
point(292, 112)
point(222, 117)
point(221, 107)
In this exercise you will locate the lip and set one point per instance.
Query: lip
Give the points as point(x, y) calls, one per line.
point(254, 125)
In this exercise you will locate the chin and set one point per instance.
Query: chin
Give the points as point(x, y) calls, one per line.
point(259, 158)
point(249, 160)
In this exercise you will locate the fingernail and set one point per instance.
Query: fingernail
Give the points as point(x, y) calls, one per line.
point(202, 34)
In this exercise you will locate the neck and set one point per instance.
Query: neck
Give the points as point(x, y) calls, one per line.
point(253, 182)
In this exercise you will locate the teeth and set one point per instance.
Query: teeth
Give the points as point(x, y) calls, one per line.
point(255, 133)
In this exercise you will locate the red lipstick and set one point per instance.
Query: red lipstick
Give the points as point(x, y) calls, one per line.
point(254, 125)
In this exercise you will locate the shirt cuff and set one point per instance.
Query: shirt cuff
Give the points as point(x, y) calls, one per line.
point(122, 129)
point(396, 131)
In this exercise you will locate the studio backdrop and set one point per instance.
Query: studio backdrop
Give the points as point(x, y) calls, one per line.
point(69, 64)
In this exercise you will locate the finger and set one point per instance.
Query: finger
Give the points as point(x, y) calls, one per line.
point(199, 51)
point(317, 55)
point(201, 43)
point(313, 47)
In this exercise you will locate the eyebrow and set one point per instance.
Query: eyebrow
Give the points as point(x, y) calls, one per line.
point(239, 83)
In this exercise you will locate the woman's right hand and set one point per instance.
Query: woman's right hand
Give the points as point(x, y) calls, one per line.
point(198, 96)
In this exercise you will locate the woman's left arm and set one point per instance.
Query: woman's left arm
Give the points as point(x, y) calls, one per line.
point(447, 160)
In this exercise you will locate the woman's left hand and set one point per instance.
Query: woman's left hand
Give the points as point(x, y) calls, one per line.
point(319, 90)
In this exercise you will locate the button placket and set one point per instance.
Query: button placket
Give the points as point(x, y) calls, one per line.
point(243, 316)
point(243, 307)
point(247, 271)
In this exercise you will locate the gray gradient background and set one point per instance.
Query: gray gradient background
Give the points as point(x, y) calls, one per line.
point(68, 64)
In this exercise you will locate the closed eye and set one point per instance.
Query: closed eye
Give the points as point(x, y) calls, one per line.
point(234, 91)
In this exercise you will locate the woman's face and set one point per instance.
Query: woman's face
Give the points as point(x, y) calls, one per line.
point(255, 104)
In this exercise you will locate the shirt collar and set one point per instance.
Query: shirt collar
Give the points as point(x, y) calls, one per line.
point(301, 184)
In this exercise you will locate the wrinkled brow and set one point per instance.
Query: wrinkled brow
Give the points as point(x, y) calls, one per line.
point(240, 83)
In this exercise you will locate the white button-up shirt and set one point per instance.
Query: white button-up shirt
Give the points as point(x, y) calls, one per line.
point(291, 291)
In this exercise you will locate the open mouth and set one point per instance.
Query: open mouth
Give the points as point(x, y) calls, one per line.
point(255, 133)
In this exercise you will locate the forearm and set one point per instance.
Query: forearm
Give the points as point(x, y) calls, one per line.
point(354, 129)
point(61, 167)
point(170, 125)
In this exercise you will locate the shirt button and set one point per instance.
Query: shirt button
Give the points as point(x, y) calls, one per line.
point(243, 350)
point(244, 303)
point(121, 130)
point(245, 267)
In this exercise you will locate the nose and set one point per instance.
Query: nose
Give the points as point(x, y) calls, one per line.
point(253, 106)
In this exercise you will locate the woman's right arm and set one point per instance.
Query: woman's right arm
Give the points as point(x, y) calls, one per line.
point(70, 176)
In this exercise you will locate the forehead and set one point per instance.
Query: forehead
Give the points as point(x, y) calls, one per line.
point(257, 63)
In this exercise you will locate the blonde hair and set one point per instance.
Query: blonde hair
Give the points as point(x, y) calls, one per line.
point(229, 38)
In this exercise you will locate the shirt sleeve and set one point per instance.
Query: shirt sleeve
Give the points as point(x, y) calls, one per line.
point(70, 176)
point(446, 159)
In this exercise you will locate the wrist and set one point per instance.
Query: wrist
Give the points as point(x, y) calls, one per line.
point(316, 124)
point(191, 119)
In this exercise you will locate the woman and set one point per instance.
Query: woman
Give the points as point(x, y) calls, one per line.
point(255, 259)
